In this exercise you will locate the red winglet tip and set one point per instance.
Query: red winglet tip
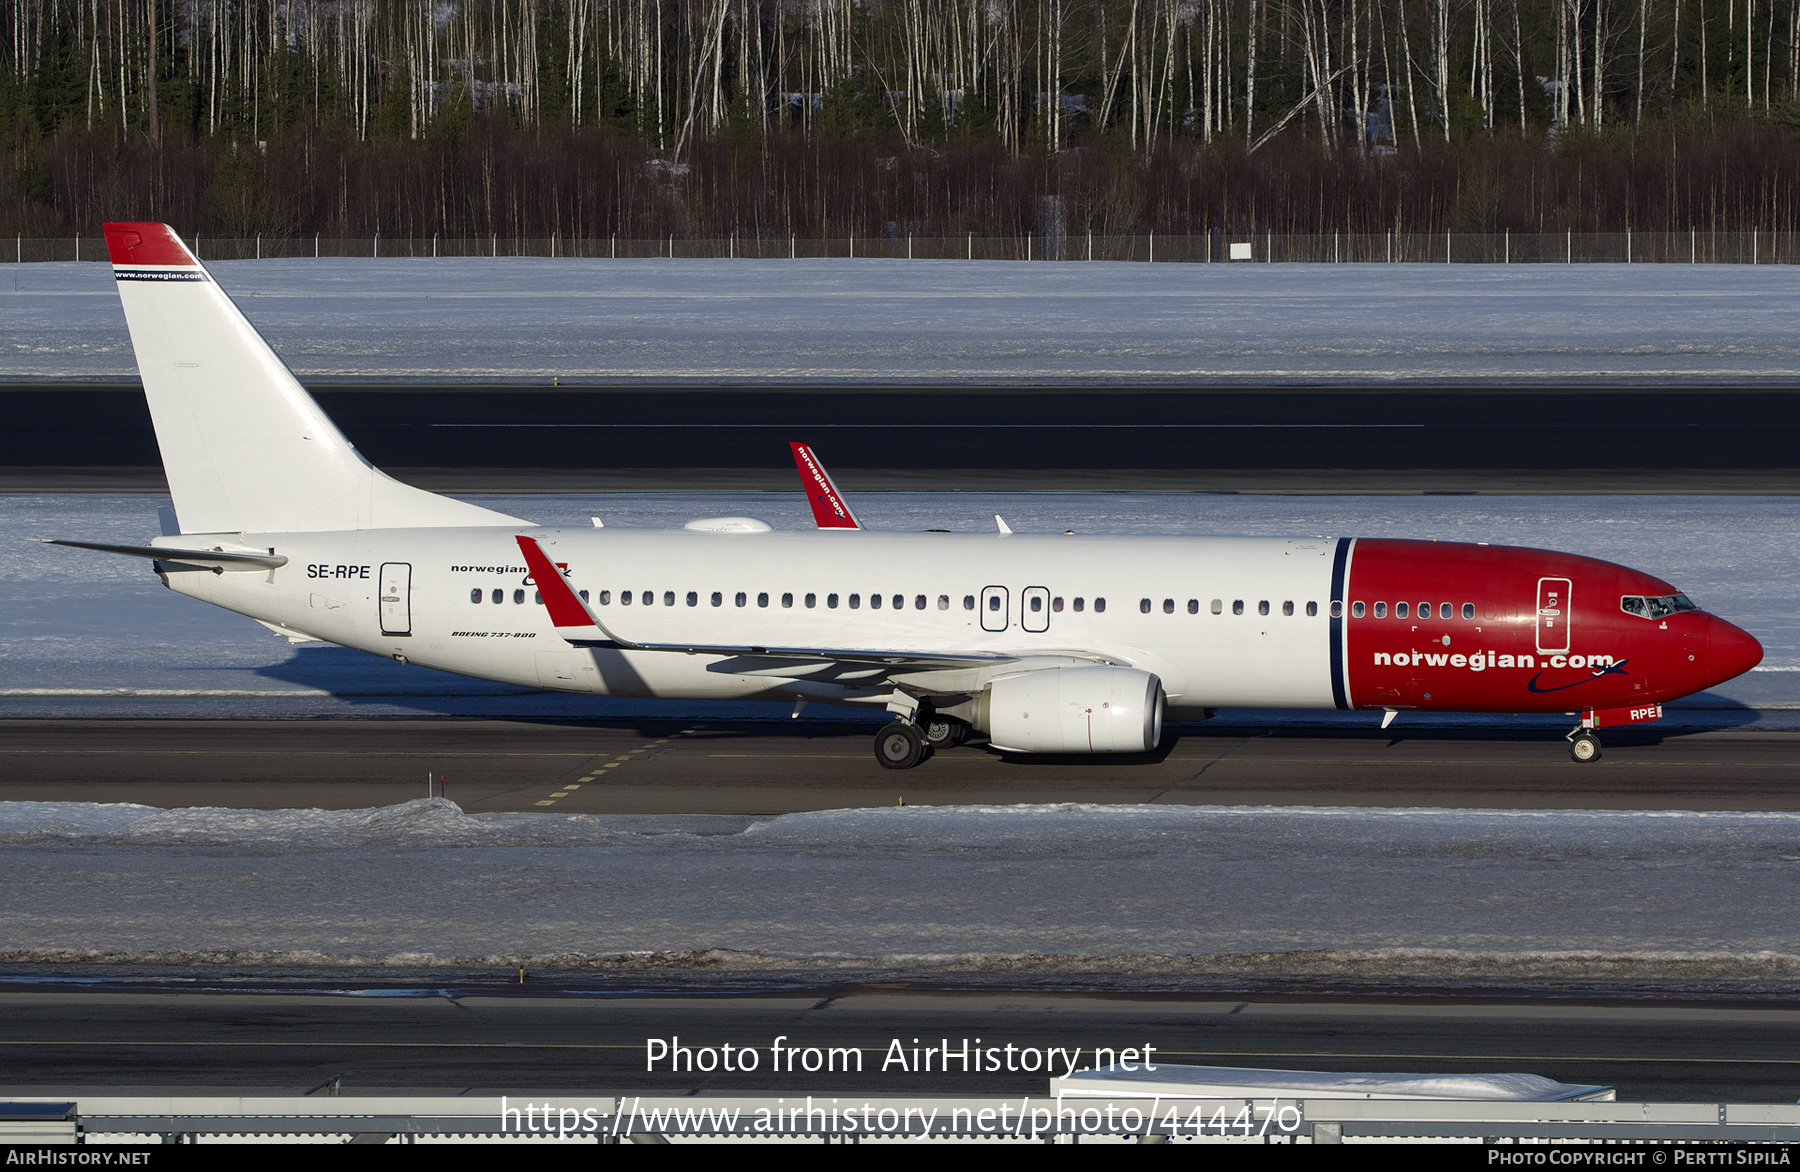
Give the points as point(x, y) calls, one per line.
point(146, 244)
point(565, 609)
point(828, 507)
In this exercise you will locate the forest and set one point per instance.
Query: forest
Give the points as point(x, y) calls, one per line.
point(830, 118)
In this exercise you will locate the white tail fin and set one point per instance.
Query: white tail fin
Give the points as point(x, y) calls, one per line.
point(245, 448)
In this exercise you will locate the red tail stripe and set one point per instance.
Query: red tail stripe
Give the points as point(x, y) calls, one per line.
point(146, 244)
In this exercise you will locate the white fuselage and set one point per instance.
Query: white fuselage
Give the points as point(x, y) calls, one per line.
point(428, 596)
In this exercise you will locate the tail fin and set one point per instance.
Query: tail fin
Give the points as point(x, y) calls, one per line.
point(245, 448)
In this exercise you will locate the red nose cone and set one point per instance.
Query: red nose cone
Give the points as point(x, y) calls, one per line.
point(1730, 652)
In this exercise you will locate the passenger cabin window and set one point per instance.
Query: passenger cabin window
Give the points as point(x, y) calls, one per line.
point(741, 598)
point(1237, 606)
point(606, 598)
point(693, 598)
point(718, 599)
point(1193, 606)
point(1168, 606)
point(1143, 606)
point(475, 594)
point(668, 598)
point(787, 600)
point(874, 602)
point(1446, 610)
point(1218, 606)
point(994, 603)
point(812, 600)
point(1399, 610)
point(1356, 610)
point(584, 595)
point(900, 602)
point(762, 599)
point(943, 602)
point(1468, 610)
point(1312, 610)
point(1080, 605)
point(919, 602)
point(537, 599)
point(968, 602)
point(831, 602)
point(1262, 607)
point(1381, 610)
point(519, 598)
point(855, 602)
point(1056, 605)
point(1037, 604)
point(1287, 608)
point(499, 597)
point(1099, 606)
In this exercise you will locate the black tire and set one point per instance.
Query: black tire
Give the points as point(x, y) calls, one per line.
point(944, 732)
point(900, 746)
point(1585, 747)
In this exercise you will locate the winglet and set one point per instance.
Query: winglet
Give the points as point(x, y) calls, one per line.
point(565, 606)
point(828, 507)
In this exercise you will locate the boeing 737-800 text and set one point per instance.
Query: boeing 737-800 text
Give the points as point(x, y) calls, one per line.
point(1068, 644)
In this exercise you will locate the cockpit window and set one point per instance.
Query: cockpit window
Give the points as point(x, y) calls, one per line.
point(1655, 608)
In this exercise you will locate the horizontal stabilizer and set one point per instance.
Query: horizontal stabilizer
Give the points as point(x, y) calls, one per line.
point(212, 559)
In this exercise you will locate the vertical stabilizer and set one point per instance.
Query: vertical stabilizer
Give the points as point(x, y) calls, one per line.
point(245, 448)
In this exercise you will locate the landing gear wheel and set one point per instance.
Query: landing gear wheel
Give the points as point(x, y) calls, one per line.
point(900, 746)
point(1585, 747)
point(944, 732)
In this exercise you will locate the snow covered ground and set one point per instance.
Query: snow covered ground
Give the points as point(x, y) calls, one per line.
point(1133, 894)
point(89, 634)
point(881, 321)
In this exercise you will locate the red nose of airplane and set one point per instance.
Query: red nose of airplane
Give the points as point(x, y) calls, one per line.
point(1730, 651)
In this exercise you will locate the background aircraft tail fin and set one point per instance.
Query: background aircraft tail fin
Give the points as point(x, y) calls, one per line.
point(245, 448)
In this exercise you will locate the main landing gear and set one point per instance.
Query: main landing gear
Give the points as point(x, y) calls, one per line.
point(902, 745)
point(1584, 745)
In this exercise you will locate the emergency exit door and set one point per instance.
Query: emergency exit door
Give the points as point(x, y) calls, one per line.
point(396, 598)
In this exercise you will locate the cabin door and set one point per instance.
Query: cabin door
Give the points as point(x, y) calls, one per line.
point(1553, 615)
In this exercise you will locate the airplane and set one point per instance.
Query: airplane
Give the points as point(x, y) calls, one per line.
point(1047, 643)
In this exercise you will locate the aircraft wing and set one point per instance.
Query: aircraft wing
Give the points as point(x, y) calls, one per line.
point(575, 620)
point(828, 507)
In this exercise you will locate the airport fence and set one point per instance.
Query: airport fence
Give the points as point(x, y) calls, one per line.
point(1692, 247)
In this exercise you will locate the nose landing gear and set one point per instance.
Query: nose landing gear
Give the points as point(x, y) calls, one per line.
point(1584, 745)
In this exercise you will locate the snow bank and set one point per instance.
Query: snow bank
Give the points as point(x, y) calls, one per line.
point(879, 321)
point(1321, 894)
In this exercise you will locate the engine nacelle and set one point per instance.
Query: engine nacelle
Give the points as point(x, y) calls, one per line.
point(1074, 710)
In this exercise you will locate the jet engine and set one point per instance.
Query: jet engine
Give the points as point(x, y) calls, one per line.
point(1074, 710)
